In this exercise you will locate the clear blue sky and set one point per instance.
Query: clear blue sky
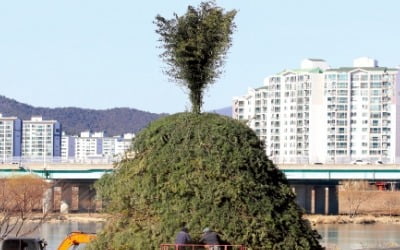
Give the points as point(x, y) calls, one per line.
point(102, 54)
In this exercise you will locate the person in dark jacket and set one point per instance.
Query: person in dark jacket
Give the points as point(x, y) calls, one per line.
point(210, 239)
point(182, 238)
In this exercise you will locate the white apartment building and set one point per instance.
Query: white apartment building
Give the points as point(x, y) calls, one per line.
point(89, 145)
point(123, 143)
point(362, 112)
point(10, 138)
point(44, 141)
point(283, 112)
point(41, 138)
point(67, 146)
point(242, 108)
point(109, 147)
point(318, 114)
point(95, 146)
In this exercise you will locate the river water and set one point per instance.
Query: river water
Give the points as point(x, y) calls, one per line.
point(334, 236)
point(359, 236)
point(55, 232)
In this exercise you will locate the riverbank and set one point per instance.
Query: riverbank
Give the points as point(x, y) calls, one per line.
point(314, 219)
point(343, 219)
point(77, 217)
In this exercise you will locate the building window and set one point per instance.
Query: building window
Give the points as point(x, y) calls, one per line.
point(342, 76)
point(376, 92)
point(375, 130)
point(376, 85)
point(331, 76)
point(376, 77)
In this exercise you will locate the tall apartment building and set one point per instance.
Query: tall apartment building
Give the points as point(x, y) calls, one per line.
point(92, 146)
point(109, 147)
point(242, 108)
point(362, 112)
point(123, 143)
point(89, 145)
point(282, 111)
point(41, 138)
point(10, 138)
point(318, 114)
point(67, 146)
point(44, 140)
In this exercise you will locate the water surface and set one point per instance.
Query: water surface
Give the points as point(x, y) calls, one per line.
point(334, 236)
point(359, 236)
point(55, 232)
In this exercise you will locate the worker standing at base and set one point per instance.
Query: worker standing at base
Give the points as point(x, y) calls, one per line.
point(183, 238)
point(210, 239)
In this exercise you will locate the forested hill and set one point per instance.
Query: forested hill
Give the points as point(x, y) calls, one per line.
point(114, 121)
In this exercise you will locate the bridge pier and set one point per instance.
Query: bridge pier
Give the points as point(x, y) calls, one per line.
point(317, 197)
point(47, 200)
point(56, 198)
point(75, 198)
point(78, 194)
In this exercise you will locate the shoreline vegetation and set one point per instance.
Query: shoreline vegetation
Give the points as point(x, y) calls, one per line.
point(76, 217)
point(345, 219)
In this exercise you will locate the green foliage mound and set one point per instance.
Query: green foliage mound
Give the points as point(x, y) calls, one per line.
point(204, 170)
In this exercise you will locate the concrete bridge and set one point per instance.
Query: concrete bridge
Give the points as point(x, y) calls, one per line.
point(71, 183)
point(306, 172)
point(315, 185)
point(370, 172)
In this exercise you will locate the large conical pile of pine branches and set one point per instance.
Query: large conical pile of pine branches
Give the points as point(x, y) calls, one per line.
point(203, 170)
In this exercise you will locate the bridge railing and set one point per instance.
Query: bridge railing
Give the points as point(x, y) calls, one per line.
point(332, 160)
point(58, 160)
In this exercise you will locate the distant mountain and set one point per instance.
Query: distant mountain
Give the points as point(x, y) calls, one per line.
point(227, 111)
point(114, 121)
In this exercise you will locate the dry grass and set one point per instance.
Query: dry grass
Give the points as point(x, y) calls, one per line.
point(344, 219)
point(379, 203)
point(78, 217)
point(381, 207)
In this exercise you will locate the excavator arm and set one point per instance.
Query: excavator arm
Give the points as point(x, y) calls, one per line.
point(76, 238)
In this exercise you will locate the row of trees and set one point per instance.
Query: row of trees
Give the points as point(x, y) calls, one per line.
point(21, 199)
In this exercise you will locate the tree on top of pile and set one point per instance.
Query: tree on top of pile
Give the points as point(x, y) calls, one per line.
point(195, 47)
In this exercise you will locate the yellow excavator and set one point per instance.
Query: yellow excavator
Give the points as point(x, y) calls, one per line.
point(73, 239)
point(76, 238)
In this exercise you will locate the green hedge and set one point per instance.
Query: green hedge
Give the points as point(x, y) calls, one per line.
point(202, 170)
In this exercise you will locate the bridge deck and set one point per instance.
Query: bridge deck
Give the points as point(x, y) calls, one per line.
point(370, 172)
point(292, 171)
